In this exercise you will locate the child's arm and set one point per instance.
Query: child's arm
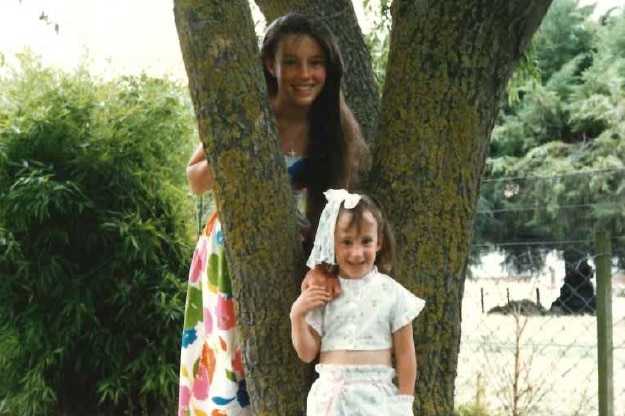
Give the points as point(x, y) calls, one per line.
point(305, 340)
point(406, 358)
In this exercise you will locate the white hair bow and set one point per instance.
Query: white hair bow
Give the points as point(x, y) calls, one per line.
point(323, 248)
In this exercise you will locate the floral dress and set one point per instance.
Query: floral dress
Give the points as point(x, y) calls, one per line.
point(212, 379)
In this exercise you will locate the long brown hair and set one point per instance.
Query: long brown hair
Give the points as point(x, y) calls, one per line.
point(337, 150)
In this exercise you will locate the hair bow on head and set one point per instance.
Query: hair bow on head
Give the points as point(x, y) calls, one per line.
point(341, 195)
point(323, 248)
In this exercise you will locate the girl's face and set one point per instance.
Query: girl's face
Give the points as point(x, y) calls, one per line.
point(355, 248)
point(300, 70)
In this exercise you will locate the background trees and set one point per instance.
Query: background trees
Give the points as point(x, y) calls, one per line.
point(94, 241)
point(555, 171)
point(448, 70)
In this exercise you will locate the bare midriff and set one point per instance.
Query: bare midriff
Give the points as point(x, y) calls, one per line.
point(360, 357)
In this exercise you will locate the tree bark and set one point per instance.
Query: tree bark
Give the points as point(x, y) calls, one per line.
point(358, 80)
point(252, 193)
point(449, 64)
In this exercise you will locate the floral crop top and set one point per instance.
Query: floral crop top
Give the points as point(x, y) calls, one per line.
point(366, 315)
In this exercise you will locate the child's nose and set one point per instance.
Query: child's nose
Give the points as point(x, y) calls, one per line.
point(357, 251)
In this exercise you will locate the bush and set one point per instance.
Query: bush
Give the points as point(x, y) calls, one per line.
point(95, 237)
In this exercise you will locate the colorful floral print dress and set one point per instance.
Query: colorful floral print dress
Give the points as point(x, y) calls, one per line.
point(212, 379)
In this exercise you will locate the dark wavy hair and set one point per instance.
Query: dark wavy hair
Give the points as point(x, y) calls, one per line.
point(336, 150)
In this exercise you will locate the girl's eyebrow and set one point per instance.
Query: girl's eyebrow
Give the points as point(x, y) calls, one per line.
point(293, 55)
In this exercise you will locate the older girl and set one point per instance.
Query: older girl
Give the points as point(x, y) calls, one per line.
point(323, 147)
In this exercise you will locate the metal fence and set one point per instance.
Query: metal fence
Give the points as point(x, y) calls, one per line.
point(526, 351)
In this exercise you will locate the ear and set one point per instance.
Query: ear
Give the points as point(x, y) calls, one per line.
point(379, 247)
point(269, 64)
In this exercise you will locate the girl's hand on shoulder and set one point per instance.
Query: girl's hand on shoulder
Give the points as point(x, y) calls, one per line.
point(309, 299)
point(320, 276)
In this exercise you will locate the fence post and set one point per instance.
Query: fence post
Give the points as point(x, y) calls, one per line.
point(603, 263)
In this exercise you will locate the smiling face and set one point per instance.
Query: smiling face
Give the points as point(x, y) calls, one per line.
point(300, 70)
point(356, 245)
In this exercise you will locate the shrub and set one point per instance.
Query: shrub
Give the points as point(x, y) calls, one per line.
point(95, 237)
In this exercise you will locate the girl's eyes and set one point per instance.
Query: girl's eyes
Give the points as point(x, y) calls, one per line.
point(364, 241)
point(314, 63)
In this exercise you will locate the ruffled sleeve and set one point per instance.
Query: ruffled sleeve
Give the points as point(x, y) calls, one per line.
point(407, 307)
point(315, 319)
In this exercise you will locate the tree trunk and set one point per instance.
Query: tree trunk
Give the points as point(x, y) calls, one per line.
point(448, 67)
point(252, 193)
point(358, 80)
point(449, 64)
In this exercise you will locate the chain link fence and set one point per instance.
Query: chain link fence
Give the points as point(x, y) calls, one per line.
point(529, 343)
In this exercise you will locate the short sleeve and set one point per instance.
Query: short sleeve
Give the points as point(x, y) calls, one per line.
point(314, 318)
point(407, 307)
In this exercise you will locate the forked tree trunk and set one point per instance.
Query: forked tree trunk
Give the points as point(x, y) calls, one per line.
point(449, 64)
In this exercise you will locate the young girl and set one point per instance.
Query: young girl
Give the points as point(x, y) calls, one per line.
point(356, 334)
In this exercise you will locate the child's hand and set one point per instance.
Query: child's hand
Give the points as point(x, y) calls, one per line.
point(319, 276)
point(311, 298)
